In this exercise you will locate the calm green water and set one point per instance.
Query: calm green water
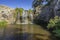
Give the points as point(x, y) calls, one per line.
point(25, 32)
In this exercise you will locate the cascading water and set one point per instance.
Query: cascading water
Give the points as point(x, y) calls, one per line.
point(24, 18)
point(31, 18)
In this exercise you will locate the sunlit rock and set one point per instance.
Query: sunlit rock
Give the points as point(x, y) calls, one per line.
point(6, 13)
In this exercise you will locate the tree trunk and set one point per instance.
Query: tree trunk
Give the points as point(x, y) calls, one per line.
point(17, 18)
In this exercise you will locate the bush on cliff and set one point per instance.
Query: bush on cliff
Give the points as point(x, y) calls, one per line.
point(3, 23)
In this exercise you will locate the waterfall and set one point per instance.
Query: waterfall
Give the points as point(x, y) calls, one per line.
point(24, 18)
point(31, 17)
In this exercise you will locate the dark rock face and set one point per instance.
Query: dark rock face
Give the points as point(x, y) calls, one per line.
point(48, 12)
point(43, 18)
point(4, 15)
point(57, 8)
point(45, 14)
point(41, 23)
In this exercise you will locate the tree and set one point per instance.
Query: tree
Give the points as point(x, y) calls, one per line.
point(54, 26)
point(50, 12)
point(48, 9)
point(30, 11)
point(21, 11)
point(18, 13)
point(44, 3)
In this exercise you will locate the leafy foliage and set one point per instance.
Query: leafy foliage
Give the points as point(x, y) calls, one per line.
point(3, 23)
point(55, 23)
point(29, 11)
point(40, 2)
point(57, 32)
point(18, 10)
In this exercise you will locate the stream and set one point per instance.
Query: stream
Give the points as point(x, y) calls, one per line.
point(24, 32)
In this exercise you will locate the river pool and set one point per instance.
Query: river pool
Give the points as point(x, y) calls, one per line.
point(24, 32)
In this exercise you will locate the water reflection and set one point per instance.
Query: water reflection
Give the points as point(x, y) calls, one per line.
point(25, 32)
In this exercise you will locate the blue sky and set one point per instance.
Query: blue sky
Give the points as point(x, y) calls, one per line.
point(26, 4)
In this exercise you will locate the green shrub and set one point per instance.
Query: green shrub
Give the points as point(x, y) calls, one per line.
point(57, 32)
point(55, 23)
point(3, 23)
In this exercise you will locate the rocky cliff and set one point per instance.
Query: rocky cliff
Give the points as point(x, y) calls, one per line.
point(48, 12)
point(6, 14)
